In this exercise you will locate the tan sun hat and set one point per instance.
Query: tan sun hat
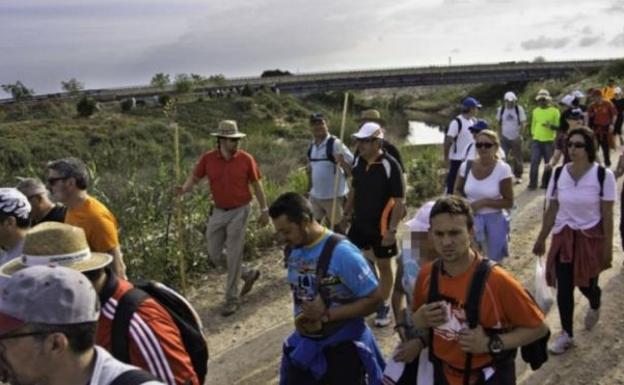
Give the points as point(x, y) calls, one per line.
point(371, 115)
point(56, 244)
point(543, 94)
point(228, 129)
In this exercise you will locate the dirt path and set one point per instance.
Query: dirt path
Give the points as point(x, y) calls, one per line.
point(245, 348)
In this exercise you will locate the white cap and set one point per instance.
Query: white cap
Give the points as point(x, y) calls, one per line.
point(567, 100)
point(13, 202)
point(420, 221)
point(369, 130)
point(510, 96)
point(578, 94)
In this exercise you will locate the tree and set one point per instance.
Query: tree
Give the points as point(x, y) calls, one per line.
point(539, 59)
point(18, 90)
point(217, 80)
point(198, 80)
point(86, 106)
point(72, 86)
point(183, 83)
point(160, 80)
point(275, 72)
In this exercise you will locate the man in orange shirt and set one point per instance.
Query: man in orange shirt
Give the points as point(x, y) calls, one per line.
point(229, 172)
point(68, 180)
point(508, 313)
point(154, 341)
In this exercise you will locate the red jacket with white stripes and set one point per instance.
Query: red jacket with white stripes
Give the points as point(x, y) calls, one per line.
point(155, 343)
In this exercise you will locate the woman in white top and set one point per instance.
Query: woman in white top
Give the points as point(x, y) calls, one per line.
point(580, 215)
point(486, 183)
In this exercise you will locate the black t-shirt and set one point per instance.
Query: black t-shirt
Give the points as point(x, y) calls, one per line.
point(390, 149)
point(57, 214)
point(619, 106)
point(374, 184)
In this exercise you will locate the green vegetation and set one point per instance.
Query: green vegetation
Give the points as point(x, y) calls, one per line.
point(18, 90)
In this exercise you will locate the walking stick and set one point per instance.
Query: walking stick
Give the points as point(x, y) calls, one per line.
point(169, 112)
point(332, 217)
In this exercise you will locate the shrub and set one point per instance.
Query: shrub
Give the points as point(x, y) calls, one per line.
point(163, 100)
point(86, 106)
point(127, 105)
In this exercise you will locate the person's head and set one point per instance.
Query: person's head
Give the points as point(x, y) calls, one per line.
point(318, 125)
point(470, 106)
point(37, 194)
point(370, 115)
point(369, 139)
point(419, 233)
point(228, 136)
point(611, 82)
point(14, 216)
point(67, 178)
point(617, 92)
point(567, 101)
point(487, 144)
point(543, 98)
point(479, 126)
point(293, 218)
point(581, 145)
point(48, 319)
point(510, 99)
point(451, 228)
point(576, 118)
point(58, 244)
point(596, 95)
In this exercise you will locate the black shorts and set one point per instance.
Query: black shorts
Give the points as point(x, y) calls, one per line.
point(368, 235)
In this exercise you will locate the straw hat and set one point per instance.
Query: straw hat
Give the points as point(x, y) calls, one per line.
point(56, 244)
point(543, 94)
point(228, 129)
point(371, 116)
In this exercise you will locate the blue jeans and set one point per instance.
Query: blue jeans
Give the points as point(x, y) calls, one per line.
point(539, 151)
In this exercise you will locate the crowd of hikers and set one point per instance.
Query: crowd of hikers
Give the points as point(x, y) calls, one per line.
point(69, 313)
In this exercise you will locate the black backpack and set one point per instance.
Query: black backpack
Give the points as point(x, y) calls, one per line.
point(133, 377)
point(534, 353)
point(329, 151)
point(180, 310)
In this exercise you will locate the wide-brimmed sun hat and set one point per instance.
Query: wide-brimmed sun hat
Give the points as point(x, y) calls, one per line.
point(56, 244)
point(371, 115)
point(543, 94)
point(228, 129)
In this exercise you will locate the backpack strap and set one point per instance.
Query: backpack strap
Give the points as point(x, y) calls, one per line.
point(556, 180)
point(126, 307)
point(434, 296)
point(323, 264)
point(473, 304)
point(133, 377)
point(500, 114)
point(518, 114)
point(468, 167)
point(601, 178)
point(329, 151)
point(459, 128)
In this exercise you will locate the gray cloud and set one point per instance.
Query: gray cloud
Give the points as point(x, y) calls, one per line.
point(587, 30)
point(589, 41)
point(617, 6)
point(544, 42)
point(618, 40)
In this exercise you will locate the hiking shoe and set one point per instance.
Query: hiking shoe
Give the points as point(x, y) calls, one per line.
point(249, 279)
point(561, 344)
point(229, 308)
point(591, 318)
point(382, 318)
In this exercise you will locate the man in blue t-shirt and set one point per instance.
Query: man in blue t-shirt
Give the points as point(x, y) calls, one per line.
point(329, 320)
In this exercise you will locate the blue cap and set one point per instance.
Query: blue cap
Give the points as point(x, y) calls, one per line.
point(471, 102)
point(480, 125)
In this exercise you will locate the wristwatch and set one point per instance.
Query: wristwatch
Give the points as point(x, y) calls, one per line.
point(495, 346)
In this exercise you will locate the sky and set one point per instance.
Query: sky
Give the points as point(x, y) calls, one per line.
point(117, 43)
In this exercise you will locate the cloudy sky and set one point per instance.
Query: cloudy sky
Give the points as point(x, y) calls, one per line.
point(118, 43)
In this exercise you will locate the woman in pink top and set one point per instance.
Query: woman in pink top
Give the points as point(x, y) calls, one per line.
point(580, 215)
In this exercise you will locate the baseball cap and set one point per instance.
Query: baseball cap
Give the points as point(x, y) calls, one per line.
point(578, 94)
point(617, 90)
point(13, 202)
point(510, 96)
point(480, 125)
point(471, 102)
point(369, 130)
point(317, 117)
point(576, 114)
point(47, 295)
point(568, 100)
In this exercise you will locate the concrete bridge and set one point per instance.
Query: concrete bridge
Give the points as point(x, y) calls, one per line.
point(367, 79)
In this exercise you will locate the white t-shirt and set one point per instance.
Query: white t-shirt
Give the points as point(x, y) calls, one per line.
point(510, 127)
point(471, 152)
point(458, 147)
point(579, 202)
point(107, 369)
point(323, 171)
point(486, 188)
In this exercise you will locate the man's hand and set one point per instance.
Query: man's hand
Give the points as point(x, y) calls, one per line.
point(314, 309)
point(431, 314)
point(474, 340)
point(408, 351)
point(539, 248)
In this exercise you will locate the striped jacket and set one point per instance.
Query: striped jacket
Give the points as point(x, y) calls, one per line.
point(155, 343)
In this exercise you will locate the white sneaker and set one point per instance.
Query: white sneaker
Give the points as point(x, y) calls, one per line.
point(591, 318)
point(562, 343)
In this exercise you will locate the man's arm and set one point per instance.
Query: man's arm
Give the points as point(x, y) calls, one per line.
point(190, 182)
point(476, 341)
point(539, 248)
point(261, 198)
point(315, 310)
point(118, 265)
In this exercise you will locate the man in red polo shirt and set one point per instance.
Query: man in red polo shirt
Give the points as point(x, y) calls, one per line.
point(229, 172)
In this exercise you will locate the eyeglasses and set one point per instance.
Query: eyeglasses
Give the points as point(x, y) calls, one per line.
point(576, 144)
point(484, 145)
point(52, 181)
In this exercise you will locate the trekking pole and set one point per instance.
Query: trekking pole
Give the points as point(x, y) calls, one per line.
point(169, 112)
point(332, 216)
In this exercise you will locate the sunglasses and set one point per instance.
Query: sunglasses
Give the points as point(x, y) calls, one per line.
point(52, 181)
point(484, 145)
point(576, 144)
point(366, 140)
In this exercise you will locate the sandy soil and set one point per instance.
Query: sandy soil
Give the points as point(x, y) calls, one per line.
point(245, 348)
